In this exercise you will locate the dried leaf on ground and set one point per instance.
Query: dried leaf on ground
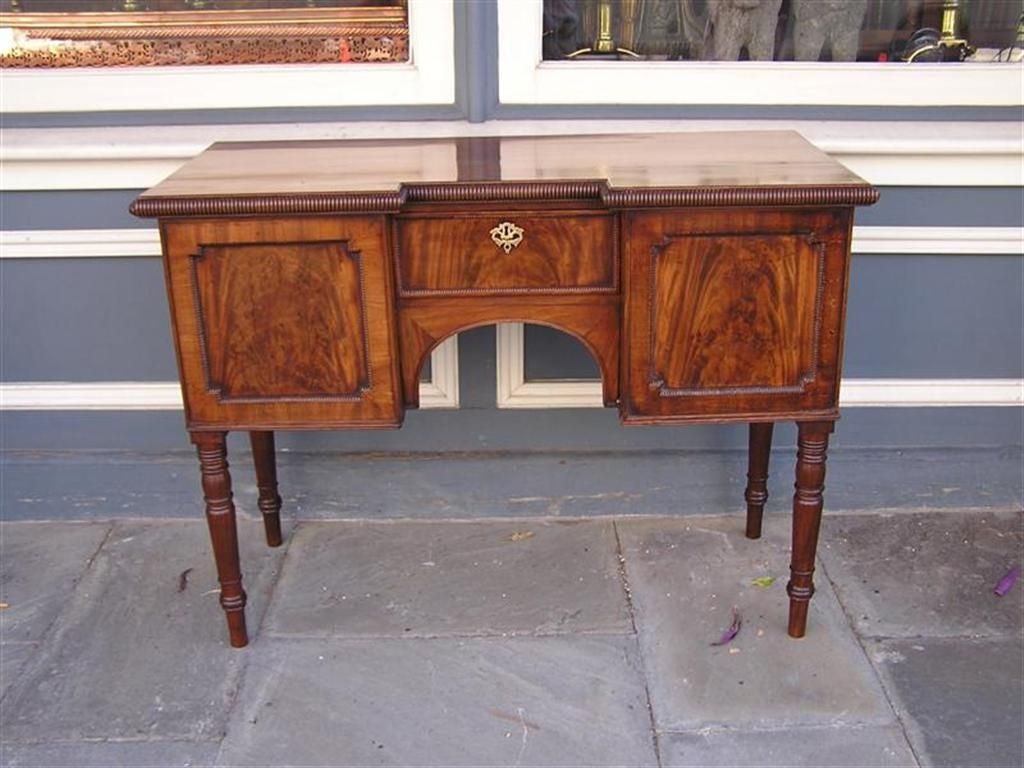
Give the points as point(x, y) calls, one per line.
point(183, 580)
point(1006, 583)
point(732, 631)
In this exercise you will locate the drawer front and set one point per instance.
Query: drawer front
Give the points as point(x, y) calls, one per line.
point(283, 322)
point(734, 314)
point(507, 253)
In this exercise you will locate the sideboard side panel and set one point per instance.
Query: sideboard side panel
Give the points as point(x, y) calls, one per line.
point(734, 313)
point(284, 322)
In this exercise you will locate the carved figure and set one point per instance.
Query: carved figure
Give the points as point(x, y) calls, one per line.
point(561, 28)
point(837, 21)
point(736, 24)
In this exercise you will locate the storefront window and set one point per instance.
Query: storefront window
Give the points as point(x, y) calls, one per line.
point(784, 30)
point(113, 33)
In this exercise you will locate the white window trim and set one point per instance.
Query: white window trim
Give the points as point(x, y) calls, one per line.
point(524, 78)
point(429, 78)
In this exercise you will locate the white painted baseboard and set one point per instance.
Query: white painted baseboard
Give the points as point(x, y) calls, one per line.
point(513, 391)
point(91, 396)
point(442, 391)
point(79, 243)
point(856, 393)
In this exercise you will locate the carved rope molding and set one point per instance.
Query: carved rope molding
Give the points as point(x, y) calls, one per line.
point(389, 202)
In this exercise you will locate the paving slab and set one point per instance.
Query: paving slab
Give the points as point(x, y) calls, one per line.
point(960, 697)
point(904, 575)
point(39, 566)
point(103, 754)
point(13, 658)
point(456, 578)
point(831, 747)
point(686, 578)
point(134, 655)
point(575, 700)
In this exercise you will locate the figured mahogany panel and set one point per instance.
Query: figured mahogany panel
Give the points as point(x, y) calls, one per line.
point(733, 314)
point(734, 311)
point(282, 320)
point(542, 253)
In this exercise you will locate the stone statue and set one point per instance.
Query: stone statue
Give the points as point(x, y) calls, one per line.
point(837, 21)
point(736, 24)
point(561, 28)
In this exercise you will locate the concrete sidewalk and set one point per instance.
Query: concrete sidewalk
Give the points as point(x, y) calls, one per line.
point(534, 641)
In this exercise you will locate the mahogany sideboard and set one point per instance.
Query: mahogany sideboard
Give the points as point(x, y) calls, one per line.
point(705, 273)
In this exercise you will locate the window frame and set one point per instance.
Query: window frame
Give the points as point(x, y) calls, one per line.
point(428, 78)
point(525, 78)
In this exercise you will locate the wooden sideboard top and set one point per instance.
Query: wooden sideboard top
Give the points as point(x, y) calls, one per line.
point(626, 171)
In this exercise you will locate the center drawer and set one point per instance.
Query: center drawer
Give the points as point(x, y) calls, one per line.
point(503, 253)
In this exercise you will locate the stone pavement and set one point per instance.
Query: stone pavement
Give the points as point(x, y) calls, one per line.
point(534, 641)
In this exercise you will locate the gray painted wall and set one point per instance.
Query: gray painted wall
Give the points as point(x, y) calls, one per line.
point(909, 316)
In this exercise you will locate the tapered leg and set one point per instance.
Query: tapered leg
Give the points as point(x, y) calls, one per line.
point(220, 516)
point(757, 476)
point(807, 503)
point(266, 479)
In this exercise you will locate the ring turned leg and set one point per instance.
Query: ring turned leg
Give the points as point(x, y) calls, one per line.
point(807, 503)
point(220, 516)
point(757, 476)
point(266, 480)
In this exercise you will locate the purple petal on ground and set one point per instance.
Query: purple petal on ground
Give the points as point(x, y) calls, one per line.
point(732, 631)
point(1006, 583)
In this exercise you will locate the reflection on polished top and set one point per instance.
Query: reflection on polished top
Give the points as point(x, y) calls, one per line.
point(593, 166)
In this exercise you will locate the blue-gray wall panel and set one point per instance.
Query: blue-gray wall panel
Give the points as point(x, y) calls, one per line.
point(936, 316)
point(84, 320)
point(551, 354)
point(945, 207)
point(89, 209)
point(909, 316)
point(481, 429)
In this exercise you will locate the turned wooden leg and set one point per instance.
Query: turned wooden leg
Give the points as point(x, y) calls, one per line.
point(757, 476)
point(266, 479)
point(807, 503)
point(220, 516)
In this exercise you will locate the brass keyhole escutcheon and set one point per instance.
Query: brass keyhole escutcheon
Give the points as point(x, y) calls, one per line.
point(507, 236)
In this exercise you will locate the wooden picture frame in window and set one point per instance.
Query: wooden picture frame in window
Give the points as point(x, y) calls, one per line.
point(364, 34)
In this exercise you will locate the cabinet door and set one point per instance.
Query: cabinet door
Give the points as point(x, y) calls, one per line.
point(733, 314)
point(284, 322)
